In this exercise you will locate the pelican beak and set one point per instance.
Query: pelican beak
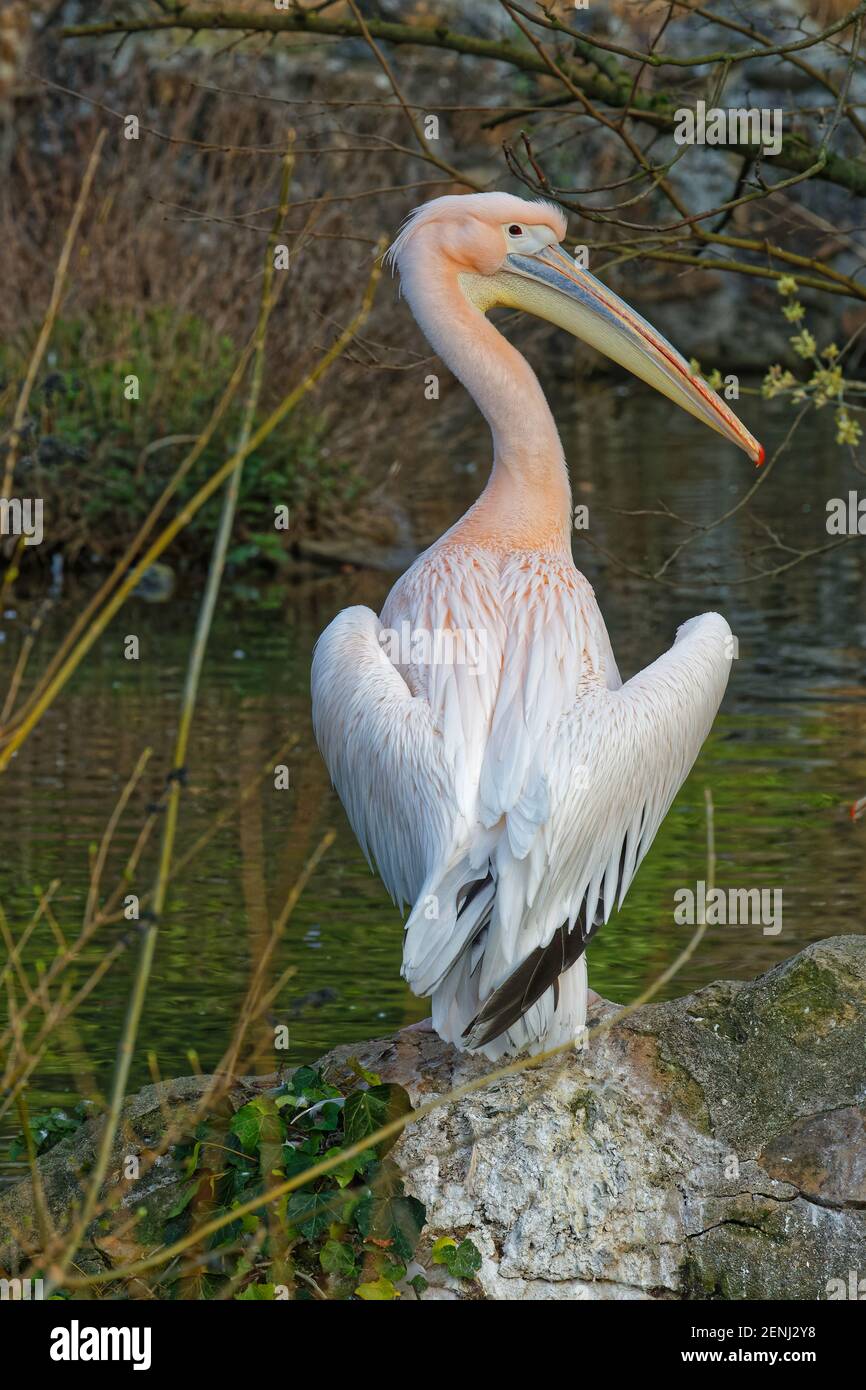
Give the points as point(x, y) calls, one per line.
point(550, 285)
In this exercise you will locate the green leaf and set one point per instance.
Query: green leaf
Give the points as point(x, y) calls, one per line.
point(191, 1162)
point(326, 1120)
point(336, 1257)
point(296, 1161)
point(407, 1222)
point(367, 1111)
point(245, 1125)
point(392, 1217)
point(305, 1080)
point(305, 1088)
point(378, 1291)
point(361, 1211)
point(48, 1130)
point(440, 1246)
point(258, 1123)
point(187, 1193)
point(419, 1284)
point(258, 1293)
point(352, 1167)
point(312, 1213)
point(464, 1261)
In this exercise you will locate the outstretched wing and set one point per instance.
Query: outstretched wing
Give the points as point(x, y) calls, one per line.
point(388, 763)
point(616, 763)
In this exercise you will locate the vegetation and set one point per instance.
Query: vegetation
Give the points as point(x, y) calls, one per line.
point(108, 424)
point(350, 1233)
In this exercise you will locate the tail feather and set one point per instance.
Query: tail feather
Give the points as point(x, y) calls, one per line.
point(459, 917)
point(556, 1017)
point(539, 972)
point(451, 909)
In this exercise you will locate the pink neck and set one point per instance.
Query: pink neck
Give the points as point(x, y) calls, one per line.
point(527, 501)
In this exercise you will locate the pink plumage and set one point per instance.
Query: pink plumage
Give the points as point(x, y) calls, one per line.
point(491, 763)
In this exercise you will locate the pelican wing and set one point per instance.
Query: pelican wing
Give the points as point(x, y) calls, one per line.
point(386, 760)
point(616, 762)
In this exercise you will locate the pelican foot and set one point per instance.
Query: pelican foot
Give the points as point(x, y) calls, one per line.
point(424, 1026)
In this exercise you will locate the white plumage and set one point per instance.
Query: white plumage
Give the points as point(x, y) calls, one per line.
point(507, 800)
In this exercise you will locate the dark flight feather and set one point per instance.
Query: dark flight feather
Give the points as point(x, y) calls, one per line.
point(541, 970)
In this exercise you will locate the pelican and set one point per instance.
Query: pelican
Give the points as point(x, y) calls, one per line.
point(491, 762)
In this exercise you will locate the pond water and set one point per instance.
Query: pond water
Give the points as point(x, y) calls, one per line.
point(785, 759)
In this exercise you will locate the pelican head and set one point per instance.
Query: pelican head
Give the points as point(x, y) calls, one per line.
point(506, 251)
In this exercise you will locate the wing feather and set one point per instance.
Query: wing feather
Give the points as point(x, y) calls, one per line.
point(388, 762)
point(633, 748)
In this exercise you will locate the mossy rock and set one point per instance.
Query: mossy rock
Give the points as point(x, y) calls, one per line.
point(709, 1147)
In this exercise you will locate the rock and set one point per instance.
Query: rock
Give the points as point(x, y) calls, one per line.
point(709, 1147)
point(63, 1170)
point(824, 1156)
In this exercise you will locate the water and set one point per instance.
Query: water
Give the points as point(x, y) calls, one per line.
point(785, 759)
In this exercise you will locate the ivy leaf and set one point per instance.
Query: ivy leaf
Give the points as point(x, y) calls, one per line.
point(47, 1130)
point(241, 1180)
point(256, 1123)
point(326, 1119)
point(391, 1217)
point(336, 1257)
point(419, 1284)
point(367, 1111)
point(378, 1291)
point(298, 1160)
point(307, 1086)
point(256, 1293)
point(305, 1079)
point(227, 1235)
point(186, 1195)
point(440, 1246)
point(407, 1222)
point(360, 1211)
point(352, 1167)
point(191, 1162)
point(312, 1213)
point(462, 1261)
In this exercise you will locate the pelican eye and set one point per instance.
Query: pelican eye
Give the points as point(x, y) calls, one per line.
point(514, 230)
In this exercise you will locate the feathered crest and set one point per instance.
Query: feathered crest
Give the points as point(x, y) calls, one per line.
point(501, 207)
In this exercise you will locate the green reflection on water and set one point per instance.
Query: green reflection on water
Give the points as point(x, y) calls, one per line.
point(786, 755)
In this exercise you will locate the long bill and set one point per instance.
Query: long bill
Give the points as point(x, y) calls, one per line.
point(552, 286)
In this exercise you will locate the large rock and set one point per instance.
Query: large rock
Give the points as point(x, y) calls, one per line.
point(710, 1147)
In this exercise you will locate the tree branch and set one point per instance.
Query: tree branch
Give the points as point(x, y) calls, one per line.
point(796, 154)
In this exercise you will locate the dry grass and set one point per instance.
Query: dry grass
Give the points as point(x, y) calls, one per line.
point(164, 281)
